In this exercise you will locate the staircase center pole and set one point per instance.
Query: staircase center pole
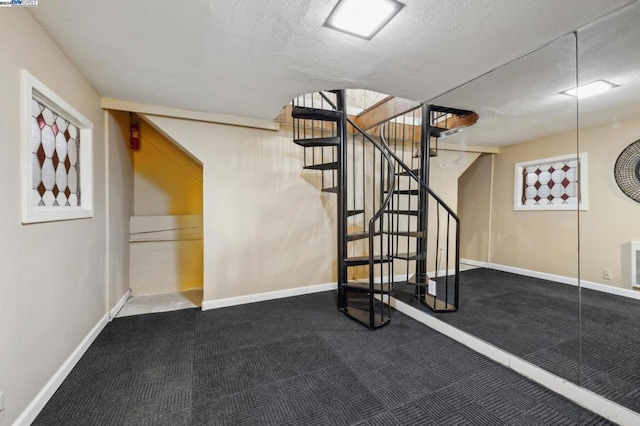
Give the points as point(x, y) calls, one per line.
point(342, 198)
point(423, 198)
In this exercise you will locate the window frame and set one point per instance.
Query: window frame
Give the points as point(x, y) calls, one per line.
point(32, 87)
point(582, 184)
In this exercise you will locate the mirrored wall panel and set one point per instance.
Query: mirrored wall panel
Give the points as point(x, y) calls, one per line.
point(609, 117)
point(518, 201)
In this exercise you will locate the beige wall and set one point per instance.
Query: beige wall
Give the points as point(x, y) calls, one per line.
point(547, 241)
point(543, 241)
point(267, 226)
point(52, 275)
point(613, 219)
point(120, 184)
point(474, 209)
point(167, 181)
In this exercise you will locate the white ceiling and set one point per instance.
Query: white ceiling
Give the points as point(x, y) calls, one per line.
point(250, 57)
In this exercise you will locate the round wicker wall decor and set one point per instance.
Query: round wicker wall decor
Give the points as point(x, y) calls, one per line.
point(627, 171)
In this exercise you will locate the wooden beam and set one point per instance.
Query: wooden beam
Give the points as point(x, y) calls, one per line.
point(387, 109)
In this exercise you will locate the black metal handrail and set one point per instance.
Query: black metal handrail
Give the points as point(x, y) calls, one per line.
point(424, 186)
point(377, 215)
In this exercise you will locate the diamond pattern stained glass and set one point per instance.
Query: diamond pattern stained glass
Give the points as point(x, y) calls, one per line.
point(550, 183)
point(55, 146)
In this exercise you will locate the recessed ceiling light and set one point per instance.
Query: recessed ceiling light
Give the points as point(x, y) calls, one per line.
point(362, 18)
point(595, 88)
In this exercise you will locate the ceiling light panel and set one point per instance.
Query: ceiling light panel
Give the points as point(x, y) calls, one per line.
point(362, 18)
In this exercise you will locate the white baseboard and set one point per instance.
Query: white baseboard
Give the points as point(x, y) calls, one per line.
point(37, 404)
point(477, 263)
point(270, 295)
point(119, 305)
point(581, 396)
point(567, 280)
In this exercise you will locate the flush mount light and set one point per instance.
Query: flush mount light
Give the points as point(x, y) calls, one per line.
point(595, 88)
point(362, 18)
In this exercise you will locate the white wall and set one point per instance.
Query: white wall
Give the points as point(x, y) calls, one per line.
point(52, 275)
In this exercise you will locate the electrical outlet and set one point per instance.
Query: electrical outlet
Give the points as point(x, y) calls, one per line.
point(606, 274)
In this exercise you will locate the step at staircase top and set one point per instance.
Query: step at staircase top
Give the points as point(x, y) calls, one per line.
point(315, 114)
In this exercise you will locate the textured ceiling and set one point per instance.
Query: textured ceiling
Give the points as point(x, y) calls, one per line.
point(522, 101)
point(250, 57)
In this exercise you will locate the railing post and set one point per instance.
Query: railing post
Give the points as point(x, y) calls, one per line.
point(342, 198)
point(423, 198)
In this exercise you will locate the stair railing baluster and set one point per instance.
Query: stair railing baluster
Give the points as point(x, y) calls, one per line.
point(446, 282)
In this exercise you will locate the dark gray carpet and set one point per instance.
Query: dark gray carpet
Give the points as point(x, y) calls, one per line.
point(538, 321)
point(294, 361)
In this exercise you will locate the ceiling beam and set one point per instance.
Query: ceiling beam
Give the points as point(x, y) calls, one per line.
point(211, 117)
point(383, 111)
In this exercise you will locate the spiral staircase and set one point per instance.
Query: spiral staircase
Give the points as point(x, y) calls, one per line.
point(394, 233)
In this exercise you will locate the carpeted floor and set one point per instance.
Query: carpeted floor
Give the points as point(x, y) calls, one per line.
point(538, 320)
point(294, 361)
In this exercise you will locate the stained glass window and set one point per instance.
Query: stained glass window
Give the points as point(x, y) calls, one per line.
point(557, 183)
point(551, 183)
point(57, 168)
point(55, 151)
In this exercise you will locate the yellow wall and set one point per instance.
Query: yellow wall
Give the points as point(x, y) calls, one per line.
point(167, 181)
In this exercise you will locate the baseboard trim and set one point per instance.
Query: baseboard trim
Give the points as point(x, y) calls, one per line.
point(567, 280)
point(477, 263)
point(114, 311)
point(37, 404)
point(269, 295)
point(581, 396)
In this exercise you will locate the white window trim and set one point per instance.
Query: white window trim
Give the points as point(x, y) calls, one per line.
point(35, 214)
point(582, 184)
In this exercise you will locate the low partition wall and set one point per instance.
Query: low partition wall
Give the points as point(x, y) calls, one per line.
point(166, 254)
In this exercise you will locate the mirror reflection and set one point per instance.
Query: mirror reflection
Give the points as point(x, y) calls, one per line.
point(550, 208)
point(609, 52)
point(518, 205)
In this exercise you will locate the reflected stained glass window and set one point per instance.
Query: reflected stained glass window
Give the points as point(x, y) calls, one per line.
point(55, 150)
point(550, 183)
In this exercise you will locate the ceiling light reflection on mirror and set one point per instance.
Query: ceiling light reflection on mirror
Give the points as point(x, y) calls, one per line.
point(362, 18)
point(591, 89)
